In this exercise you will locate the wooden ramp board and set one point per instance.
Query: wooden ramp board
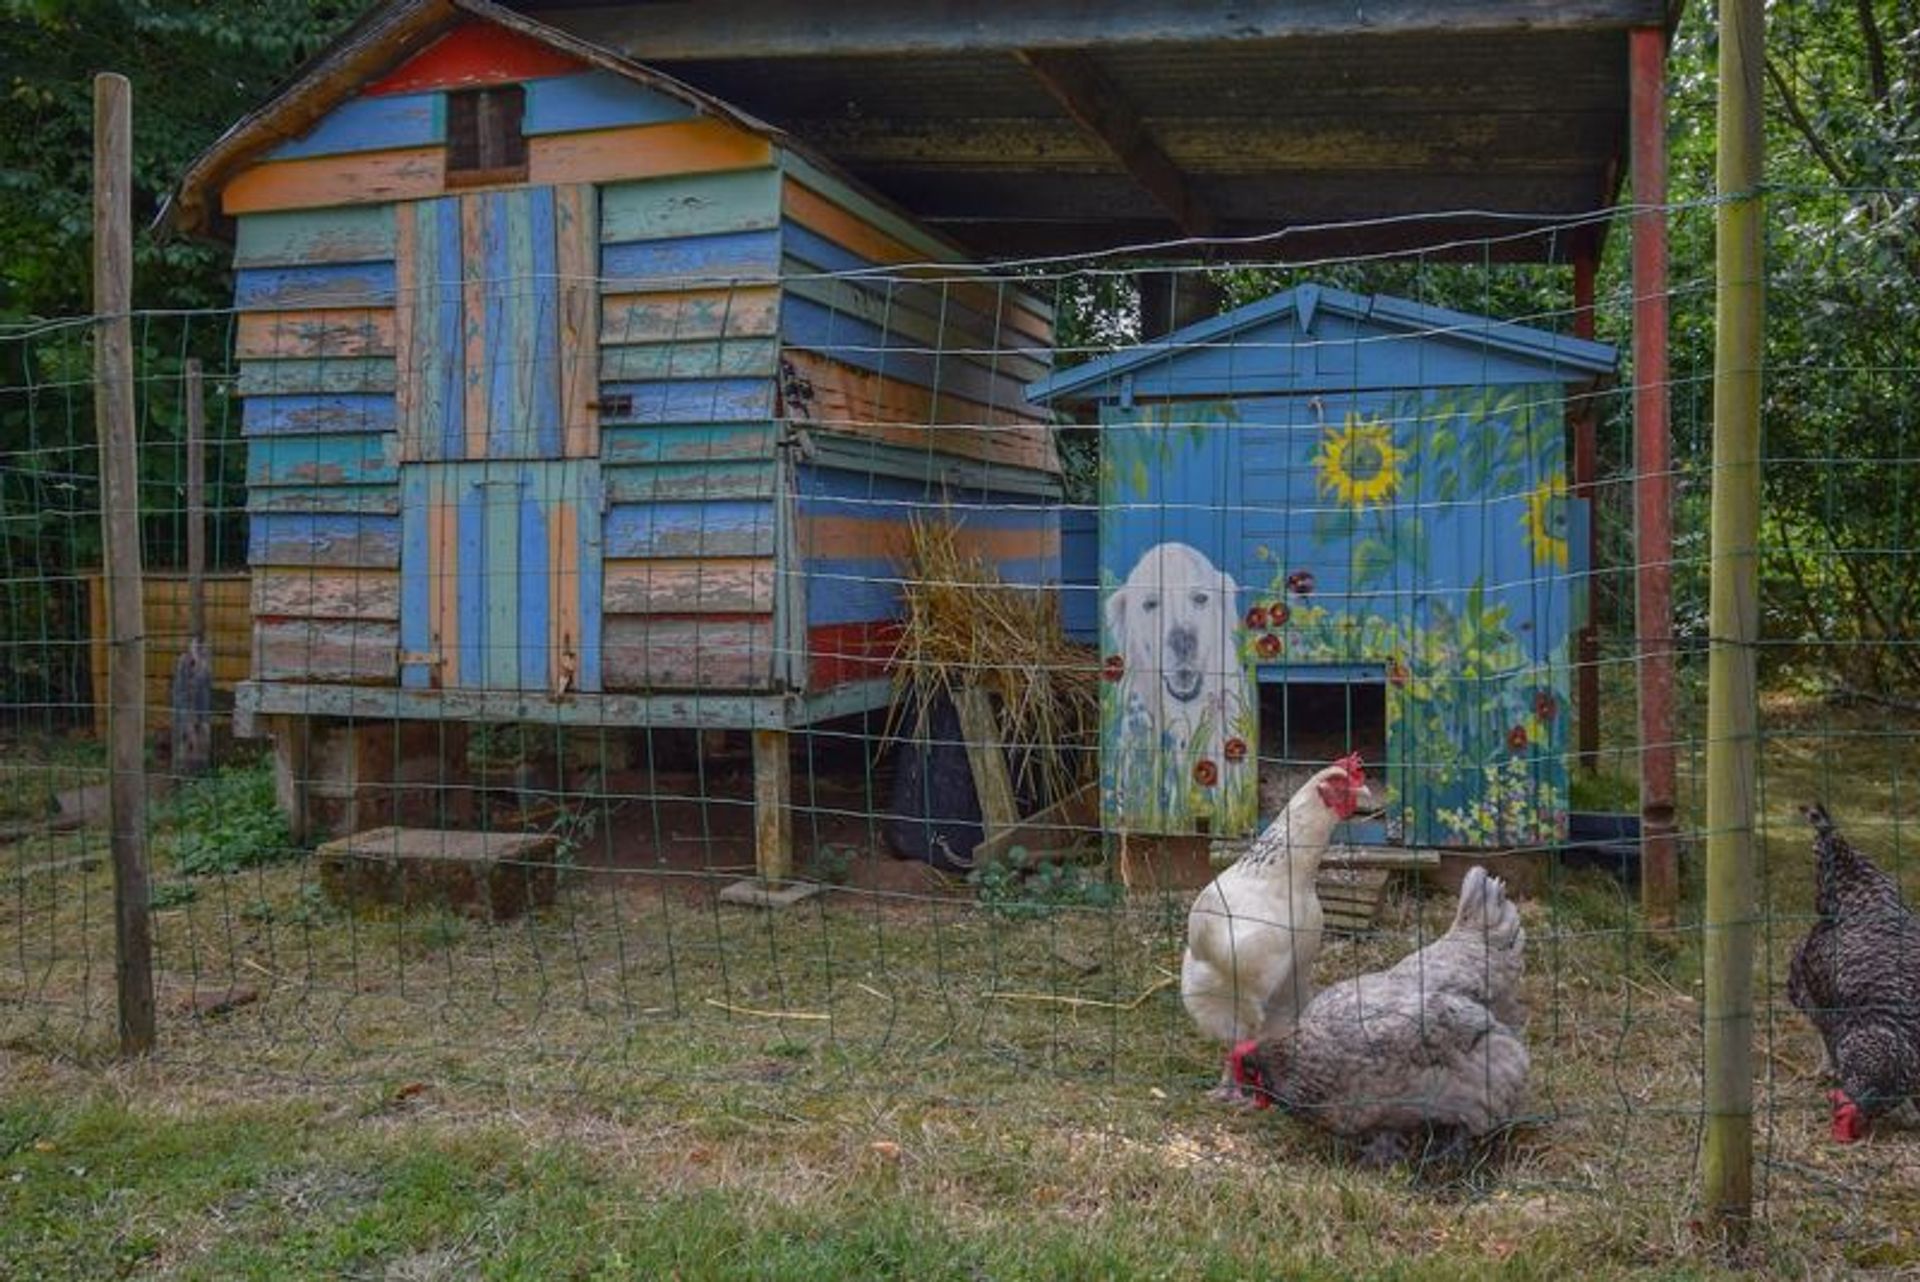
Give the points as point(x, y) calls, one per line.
point(498, 875)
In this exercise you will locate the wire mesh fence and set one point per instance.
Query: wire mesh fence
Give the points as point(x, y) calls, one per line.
point(995, 623)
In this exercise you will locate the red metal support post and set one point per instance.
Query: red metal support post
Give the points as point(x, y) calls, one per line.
point(1653, 478)
point(1586, 470)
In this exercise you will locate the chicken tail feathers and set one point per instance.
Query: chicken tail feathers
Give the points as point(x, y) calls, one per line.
point(1485, 911)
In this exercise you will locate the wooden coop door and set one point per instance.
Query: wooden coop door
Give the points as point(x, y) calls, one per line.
point(499, 441)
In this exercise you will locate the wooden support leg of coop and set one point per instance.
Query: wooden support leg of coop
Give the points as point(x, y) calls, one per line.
point(772, 830)
point(290, 774)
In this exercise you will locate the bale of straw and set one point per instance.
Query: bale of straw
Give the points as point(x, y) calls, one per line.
point(965, 627)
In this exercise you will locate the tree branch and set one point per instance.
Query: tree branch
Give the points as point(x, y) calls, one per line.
point(1876, 51)
point(1804, 127)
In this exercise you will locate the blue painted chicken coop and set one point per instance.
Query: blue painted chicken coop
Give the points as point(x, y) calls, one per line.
point(1325, 487)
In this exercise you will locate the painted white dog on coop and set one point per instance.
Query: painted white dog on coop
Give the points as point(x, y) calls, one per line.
point(1175, 621)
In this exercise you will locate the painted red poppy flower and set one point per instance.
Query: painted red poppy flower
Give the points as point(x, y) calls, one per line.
point(1517, 739)
point(1205, 773)
point(1268, 646)
point(1300, 583)
point(1257, 619)
point(1114, 668)
point(1545, 706)
point(1278, 613)
point(1236, 750)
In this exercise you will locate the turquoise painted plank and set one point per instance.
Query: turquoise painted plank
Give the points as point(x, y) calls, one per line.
point(372, 124)
point(595, 100)
point(341, 375)
point(504, 587)
point(300, 539)
point(370, 500)
point(326, 285)
point(722, 528)
point(541, 293)
point(690, 205)
point(534, 582)
point(470, 571)
point(687, 443)
point(322, 460)
point(315, 415)
point(702, 358)
point(728, 400)
point(416, 584)
point(689, 261)
point(682, 481)
point(308, 237)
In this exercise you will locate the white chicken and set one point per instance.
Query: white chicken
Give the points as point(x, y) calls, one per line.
point(1429, 1048)
point(1254, 932)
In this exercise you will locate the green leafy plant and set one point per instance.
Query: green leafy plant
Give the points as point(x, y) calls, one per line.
point(1006, 890)
point(832, 862)
point(173, 894)
point(225, 822)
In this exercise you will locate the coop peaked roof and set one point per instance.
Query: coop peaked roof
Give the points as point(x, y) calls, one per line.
point(1254, 337)
point(385, 38)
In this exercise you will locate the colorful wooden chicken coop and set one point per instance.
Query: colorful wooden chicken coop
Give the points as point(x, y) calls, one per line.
point(574, 396)
point(1381, 486)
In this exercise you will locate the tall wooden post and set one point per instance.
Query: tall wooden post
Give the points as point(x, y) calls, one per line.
point(1586, 472)
point(1734, 613)
point(1653, 481)
point(772, 806)
point(191, 721)
point(120, 518)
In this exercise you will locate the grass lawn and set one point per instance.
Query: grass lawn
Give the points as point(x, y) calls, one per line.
point(644, 1083)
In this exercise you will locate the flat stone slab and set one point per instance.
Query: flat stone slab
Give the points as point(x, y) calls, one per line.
point(762, 894)
point(496, 875)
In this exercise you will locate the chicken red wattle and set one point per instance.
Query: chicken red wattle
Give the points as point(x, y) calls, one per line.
point(1849, 1123)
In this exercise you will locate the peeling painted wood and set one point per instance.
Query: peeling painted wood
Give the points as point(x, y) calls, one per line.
point(731, 400)
point(682, 709)
point(371, 124)
point(721, 528)
point(577, 252)
point(374, 177)
point(690, 205)
point(334, 594)
point(746, 312)
point(913, 313)
point(300, 238)
point(704, 652)
point(691, 262)
point(595, 100)
point(682, 482)
point(372, 542)
point(322, 460)
point(318, 286)
point(700, 358)
point(344, 376)
point(325, 334)
point(315, 415)
point(692, 443)
point(325, 650)
point(365, 500)
point(644, 151)
point(711, 585)
point(473, 54)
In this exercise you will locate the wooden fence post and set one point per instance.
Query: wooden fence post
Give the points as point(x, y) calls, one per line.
point(120, 519)
point(1734, 614)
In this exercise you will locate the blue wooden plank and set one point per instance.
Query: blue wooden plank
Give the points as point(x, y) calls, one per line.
point(504, 489)
point(725, 527)
point(416, 622)
point(314, 415)
point(691, 260)
point(865, 589)
point(345, 375)
point(471, 538)
point(687, 443)
point(376, 123)
point(595, 100)
point(536, 583)
point(322, 460)
point(583, 494)
point(698, 400)
point(804, 323)
point(541, 293)
point(297, 538)
point(504, 357)
point(824, 492)
point(326, 285)
point(440, 221)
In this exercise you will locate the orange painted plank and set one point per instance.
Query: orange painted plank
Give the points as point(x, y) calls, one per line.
point(711, 585)
point(749, 311)
point(563, 554)
point(645, 151)
point(873, 536)
point(443, 542)
point(576, 224)
point(315, 335)
point(816, 213)
point(473, 321)
point(474, 54)
point(863, 404)
point(365, 178)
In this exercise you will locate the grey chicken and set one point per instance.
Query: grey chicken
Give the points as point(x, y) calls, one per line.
point(1856, 976)
point(1429, 1048)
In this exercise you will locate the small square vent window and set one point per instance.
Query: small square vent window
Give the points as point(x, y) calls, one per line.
point(484, 141)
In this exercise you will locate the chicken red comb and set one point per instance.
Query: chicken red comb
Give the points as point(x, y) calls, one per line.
point(1355, 768)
